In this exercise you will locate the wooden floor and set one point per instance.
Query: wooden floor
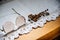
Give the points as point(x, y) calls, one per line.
point(49, 30)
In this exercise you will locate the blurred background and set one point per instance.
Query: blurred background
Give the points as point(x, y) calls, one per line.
point(27, 6)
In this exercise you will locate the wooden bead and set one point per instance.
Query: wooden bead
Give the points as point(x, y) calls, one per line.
point(37, 16)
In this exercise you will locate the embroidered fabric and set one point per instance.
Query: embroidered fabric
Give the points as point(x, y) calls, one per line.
point(28, 26)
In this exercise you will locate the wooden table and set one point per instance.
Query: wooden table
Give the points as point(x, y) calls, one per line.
point(49, 30)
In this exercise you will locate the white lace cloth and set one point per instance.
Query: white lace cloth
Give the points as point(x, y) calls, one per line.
point(28, 27)
point(25, 7)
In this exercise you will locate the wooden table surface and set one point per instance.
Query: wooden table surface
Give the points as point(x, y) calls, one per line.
point(39, 32)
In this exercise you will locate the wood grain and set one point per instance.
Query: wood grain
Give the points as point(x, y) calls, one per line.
point(41, 32)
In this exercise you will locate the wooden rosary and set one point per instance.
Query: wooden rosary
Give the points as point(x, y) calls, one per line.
point(37, 16)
